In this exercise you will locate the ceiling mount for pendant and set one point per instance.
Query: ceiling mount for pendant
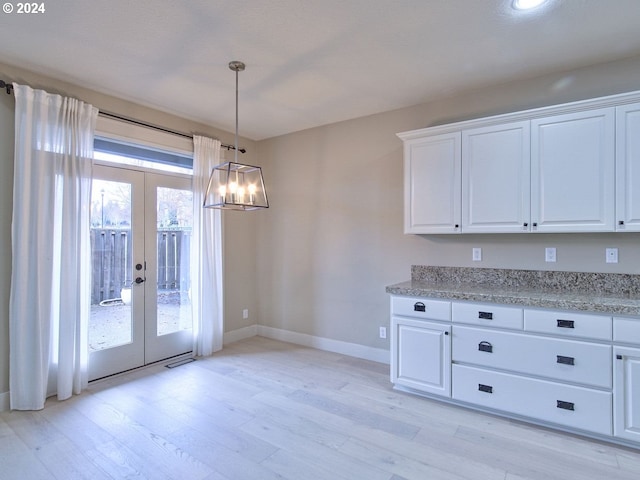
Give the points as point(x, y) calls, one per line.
point(237, 66)
point(234, 185)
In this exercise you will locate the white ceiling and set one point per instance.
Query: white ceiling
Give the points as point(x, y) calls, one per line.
point(309, 62)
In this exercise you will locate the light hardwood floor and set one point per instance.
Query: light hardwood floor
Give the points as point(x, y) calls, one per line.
point(263, 409)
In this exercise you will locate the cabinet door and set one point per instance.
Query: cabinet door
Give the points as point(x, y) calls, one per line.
point(572, 172)
point(496, 179)
point(628, 168)
point(421, 355)
point(432, 184)
point(626, 393)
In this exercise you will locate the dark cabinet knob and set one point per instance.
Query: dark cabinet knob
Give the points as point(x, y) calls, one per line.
point(621, 222)
point(565, 405)
point(565, 360)
point(485, 388)
point(565, 323)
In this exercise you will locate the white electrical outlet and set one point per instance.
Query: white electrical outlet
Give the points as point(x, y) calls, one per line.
point(383, 332)
point(611, 255)
point(550, 254)
point(245, 313)
point(476, 254)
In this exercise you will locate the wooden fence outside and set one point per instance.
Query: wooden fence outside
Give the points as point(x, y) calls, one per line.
point(111, 261)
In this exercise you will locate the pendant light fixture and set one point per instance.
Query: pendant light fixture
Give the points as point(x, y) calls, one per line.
point(234, 185)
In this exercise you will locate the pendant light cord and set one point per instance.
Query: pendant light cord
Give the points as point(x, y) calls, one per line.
point(236, 144)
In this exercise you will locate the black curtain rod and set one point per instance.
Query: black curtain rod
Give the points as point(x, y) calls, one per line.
point(161, 129)
point(8, 87)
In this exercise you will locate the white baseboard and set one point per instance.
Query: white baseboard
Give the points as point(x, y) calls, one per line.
point(5, 405)
point(345, 348)
point(240, 334)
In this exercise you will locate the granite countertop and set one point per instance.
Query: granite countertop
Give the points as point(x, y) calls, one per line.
point(616, 294)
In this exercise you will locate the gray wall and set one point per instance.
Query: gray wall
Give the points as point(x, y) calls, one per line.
point(333, 237)
point(240, 230)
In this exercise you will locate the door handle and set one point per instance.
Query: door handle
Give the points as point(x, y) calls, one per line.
point(139, 280)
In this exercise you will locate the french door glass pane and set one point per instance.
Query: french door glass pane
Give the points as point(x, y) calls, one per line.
point(174, 226)
point(110, 324)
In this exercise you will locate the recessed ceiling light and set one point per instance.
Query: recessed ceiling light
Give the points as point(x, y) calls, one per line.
point(527, 4)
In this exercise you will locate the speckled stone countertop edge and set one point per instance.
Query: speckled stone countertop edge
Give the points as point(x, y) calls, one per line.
point(584, 302)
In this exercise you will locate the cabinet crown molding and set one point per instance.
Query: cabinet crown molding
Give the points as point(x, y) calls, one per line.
point(531, 114)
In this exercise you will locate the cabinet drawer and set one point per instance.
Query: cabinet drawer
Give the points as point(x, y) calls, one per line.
point(421, 308)
point(561, 359)
point(568, 324)
point(487, 315)
point(626, 330)
point(575, 407)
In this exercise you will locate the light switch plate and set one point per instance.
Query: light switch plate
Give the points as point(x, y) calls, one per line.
point(477, 254)
point(611, 255)
point(550, 254)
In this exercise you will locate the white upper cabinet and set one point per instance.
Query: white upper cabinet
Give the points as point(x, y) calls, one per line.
point(432, 184)
point(572, 172)
point(628, 168)
point(565, 168)
point(495, 179)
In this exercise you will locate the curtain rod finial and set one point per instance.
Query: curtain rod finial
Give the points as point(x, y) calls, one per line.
point(7, 86)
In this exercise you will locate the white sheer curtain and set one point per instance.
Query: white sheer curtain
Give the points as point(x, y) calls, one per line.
point(50, 278)
point(206, 254)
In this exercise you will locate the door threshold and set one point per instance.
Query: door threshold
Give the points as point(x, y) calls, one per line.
point(180, 359)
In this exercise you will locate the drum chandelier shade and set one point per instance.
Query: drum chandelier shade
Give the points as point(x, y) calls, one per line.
point(234, 185)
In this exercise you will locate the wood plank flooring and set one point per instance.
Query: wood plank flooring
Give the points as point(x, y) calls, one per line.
point(263, 409)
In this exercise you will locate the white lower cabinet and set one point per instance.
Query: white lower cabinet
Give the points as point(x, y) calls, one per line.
point(576, 407)
point(626, 411)
point(421, 355)
point(577, 370)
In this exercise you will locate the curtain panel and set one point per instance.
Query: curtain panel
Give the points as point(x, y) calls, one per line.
point(206, 286)
point(49, 300)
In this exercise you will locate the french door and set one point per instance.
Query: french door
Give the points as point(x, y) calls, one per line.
point(140, 245)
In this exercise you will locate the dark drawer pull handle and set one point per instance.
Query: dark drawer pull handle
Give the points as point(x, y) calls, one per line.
point(565, 405)
point(565, 360)
point(419, 307)
point(485, 315)
point(485, 388)
point(485, 347)
point(566, 323)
